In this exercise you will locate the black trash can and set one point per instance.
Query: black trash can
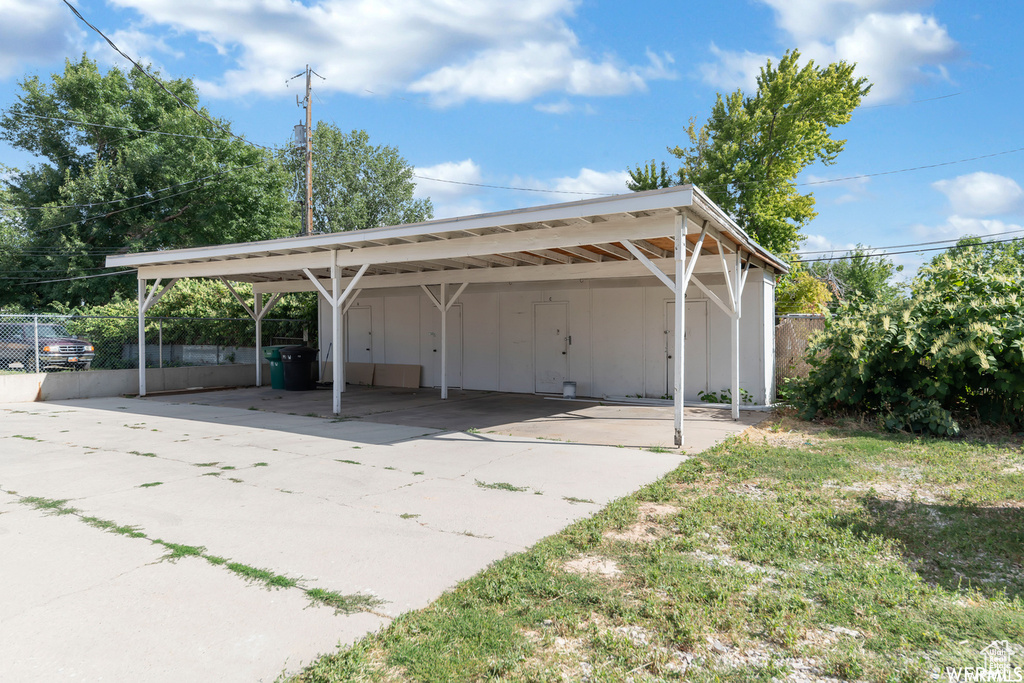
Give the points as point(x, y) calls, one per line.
point(299, 368)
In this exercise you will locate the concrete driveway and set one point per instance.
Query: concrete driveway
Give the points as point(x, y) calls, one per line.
point(363, 509)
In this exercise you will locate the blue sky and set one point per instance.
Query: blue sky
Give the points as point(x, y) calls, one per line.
point(565, 95)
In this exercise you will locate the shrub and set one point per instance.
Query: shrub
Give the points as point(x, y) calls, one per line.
point(953, 349)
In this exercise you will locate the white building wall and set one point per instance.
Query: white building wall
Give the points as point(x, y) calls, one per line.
point(618, 329)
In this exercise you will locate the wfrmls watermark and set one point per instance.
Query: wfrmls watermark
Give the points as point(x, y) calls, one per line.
point(1000, 665)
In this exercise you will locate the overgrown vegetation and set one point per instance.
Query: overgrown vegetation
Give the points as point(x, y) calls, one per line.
point(839, 553)
point(952, 351)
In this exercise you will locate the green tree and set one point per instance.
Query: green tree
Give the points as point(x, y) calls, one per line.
point(747, 156)
point(356, 185)
point(117, 190)
point(799, 291)
point(860, 275)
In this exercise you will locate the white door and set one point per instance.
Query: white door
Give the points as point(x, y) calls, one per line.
point(695, 372)
point(454, 333)
point(550, 346)
point(360, 334)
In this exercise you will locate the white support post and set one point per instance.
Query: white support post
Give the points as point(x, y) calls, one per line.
point(337, 357)
point(337, 298)
point(443, 305)
point(736, 291)
point(142, 337)
point(681, 228)
point(444, 344)
point(258, 307)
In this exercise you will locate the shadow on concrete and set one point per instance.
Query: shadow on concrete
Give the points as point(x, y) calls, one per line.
point(522, 415)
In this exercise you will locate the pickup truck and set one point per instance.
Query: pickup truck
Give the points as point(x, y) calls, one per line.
point(57, 349)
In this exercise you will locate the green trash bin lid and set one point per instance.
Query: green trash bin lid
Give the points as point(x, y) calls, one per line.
point(274, 352)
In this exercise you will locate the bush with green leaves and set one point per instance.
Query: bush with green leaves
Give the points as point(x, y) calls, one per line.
point(952, 350)
point(194, 311)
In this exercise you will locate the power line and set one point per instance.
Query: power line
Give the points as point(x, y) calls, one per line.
point(127, 208)
point(148, 193)
point(908, 251)
point(125, 128)
point(505, 187)
point(900, 246)
point(157, 80)
point(69, 279)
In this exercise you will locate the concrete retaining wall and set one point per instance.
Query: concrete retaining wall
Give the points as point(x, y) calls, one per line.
point(57, 386)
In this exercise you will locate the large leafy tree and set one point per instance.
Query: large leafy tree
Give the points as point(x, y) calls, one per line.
point(115, 189)
point(859, 275)
point(747, 156)
point(356, 185)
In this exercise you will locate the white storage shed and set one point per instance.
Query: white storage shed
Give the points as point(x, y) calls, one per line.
point(582, 292)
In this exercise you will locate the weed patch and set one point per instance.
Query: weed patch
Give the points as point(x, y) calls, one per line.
point(501, 486)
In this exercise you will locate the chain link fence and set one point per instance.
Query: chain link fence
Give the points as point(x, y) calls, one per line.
point(792, 332)
point(45, 343)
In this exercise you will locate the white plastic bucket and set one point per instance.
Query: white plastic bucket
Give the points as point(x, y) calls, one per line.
point(568, 389)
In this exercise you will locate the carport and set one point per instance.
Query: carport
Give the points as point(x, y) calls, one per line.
point(674, 238)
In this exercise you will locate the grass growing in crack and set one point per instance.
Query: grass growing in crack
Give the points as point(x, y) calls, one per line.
point(205, 464)
point(114, 527)
point(659, 449)
point(342, 604)
point(574, 500)
point(50, 506)
point(260, 464)
point(419, 472)
point(176, 551)
point(26, 438)
point(212, 474)
point(144, 455)
point(408, 515)
point(348, 462)
point(264, 576)
point(236, 480)
point(227, 467)
point(150, 484)
point(501, 486)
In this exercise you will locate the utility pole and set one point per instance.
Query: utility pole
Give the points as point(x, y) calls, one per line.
point(309, 153)
point(307, 135)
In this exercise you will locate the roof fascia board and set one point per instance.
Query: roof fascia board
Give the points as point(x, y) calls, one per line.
point(674, 198)
point(526, 240)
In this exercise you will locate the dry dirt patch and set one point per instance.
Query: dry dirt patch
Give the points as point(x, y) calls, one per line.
point(593, 564)
point(648, 527)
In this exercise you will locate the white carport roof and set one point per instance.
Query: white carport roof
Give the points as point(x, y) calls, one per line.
point(676, 231)
point(574, 240)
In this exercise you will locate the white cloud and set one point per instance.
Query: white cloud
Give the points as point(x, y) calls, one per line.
point(452, 50)
point(817, 244)
point(560, 107)
point(733, 70)
point(448, 176)
point(34, 32)
point(451, 198)
point(893, 48)
point(526, 71)
point(982, 194)
point(590, 182)
point(956, 227)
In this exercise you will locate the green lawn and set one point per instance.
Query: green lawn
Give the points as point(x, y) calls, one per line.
point(793, 552)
